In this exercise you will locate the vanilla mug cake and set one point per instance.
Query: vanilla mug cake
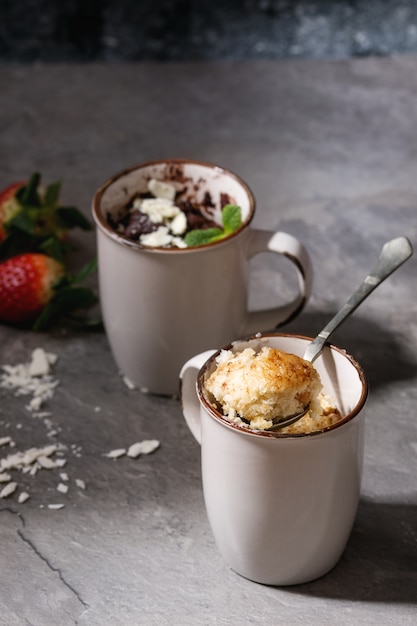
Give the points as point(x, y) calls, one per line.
point(281, 504)
point(258, 386)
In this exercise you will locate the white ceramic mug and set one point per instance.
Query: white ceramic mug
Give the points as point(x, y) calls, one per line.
point(161, 306)
point(281, 507)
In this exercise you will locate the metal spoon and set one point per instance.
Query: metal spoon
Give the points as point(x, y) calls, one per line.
point(394, 254)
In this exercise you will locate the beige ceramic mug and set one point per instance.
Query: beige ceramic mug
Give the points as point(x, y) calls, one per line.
point(160, 306)
point(281, 507)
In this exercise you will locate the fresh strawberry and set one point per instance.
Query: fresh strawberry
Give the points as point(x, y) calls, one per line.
point(9, 206)
point(35, 289)
point(32, 220)
point(26, 286)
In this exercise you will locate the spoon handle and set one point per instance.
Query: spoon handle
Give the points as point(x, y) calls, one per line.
point(394, 254)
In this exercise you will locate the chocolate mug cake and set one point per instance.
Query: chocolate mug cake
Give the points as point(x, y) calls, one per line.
point(168, 216)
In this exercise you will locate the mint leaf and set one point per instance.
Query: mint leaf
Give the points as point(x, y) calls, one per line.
point(231, 218)
point(199, 237)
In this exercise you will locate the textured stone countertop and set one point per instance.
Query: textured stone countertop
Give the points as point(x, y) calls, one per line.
point(329, 149)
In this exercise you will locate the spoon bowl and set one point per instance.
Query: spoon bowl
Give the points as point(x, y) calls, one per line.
point(394, 253)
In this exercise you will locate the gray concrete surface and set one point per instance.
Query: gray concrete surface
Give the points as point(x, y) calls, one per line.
point(329, 148)
point(127, 30)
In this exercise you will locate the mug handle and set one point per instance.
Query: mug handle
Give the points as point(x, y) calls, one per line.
point(287, 245)
point(188, 392)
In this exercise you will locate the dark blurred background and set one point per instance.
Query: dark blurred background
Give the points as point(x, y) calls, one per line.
point(132, 30)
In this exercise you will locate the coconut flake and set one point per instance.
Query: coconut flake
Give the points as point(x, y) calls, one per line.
point(60, 462)
point(115, 454)
point(157, 239)
point(128, 383)
point(39, 366)
point(159, 210)
point(178, 226)
point(8, 490)
point(147, 446)
point(161, 189)
point(20, 460)
point(46, 462)
point(31, 378)
point(23, 496)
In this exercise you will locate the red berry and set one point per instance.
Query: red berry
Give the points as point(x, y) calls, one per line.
point(26, 286)
point(9, 205)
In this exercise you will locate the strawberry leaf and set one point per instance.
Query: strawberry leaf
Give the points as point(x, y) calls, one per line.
point(52, 195)
point(84, 322)
point(85, 271)
point(70, 217)
point(39, 224)
point(23, 221)
point(54, 247)
point(68, 297)
point(28, 194)
point(75, 297)
point(66, 300)
point(17, 242)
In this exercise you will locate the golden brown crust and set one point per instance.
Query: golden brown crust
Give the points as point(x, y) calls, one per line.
point(259, 387)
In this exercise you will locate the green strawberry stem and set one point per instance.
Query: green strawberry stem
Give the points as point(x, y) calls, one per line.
point(70, 297)
point(41, 223)
point(28, 194)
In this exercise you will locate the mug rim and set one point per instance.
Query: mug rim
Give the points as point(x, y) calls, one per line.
point(103, 225)
point(214, 413)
